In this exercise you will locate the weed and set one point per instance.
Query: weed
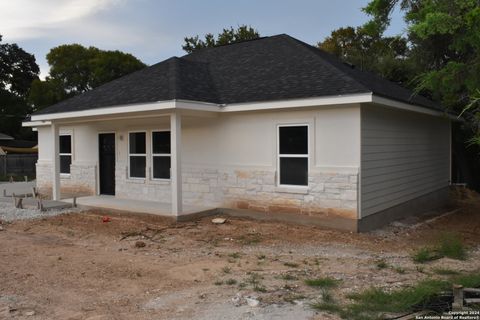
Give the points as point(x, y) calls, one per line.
point(400, 270)
point(226, 269)
point(425, 254)
point(420, 269)
point(288, 277)
point(451, 246)
point(326, 306)
point(381, 264)
point(234, 255)
point(327, 296)
point(261, 257)
point(218, 283)
point(242, 285)
point(377, 300)
point(250, 239)
point(255, 281)
point(468, 280)
point(445, 272)
point(448, 245)
point(322, 282)
point(291, 264)
point(231, 282)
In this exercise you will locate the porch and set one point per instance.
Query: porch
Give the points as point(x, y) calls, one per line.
point(107, 202)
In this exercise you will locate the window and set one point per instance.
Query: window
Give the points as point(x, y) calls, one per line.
point(161, 154)
point(293, 155)
point(65, 153)
point(137, 153)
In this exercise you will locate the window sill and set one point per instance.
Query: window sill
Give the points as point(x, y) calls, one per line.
point(160, 181)
point(136, 180)
point(292, 189)
point(65, 175)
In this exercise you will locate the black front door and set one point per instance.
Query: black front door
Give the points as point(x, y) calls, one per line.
point(106, 144)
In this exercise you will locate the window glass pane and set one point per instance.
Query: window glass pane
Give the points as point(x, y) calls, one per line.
point(161, 167)
point(65, 144)
point(294, 171)
point(137, 166)
point(65, 162)
point(294, 140)
point(161, 142)
point(137, 142)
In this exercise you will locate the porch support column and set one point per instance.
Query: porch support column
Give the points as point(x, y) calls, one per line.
point(176, 173)
point(55, 162)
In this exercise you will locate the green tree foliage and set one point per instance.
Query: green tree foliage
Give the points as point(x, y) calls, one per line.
point(227, 36)
point(75, 69)
point(444, 36)
point(369, 50)
point(17, 71)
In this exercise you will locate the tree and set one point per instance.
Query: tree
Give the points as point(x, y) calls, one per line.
point(227, 36)
point(369, 50)
point(75, 69)
point(80, 69)
point(17, 71)
point(444, 41)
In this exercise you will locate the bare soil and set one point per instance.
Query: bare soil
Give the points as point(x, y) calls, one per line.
point(76, 266)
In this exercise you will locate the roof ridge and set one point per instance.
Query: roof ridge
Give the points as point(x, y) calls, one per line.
point(310, 48)
point(233, 43)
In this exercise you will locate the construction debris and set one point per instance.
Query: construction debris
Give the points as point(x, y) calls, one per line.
point(219, 220)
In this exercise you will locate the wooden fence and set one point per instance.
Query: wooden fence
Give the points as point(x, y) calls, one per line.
point(18, 164)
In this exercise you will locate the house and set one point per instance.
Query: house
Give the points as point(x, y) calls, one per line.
point(272, 127)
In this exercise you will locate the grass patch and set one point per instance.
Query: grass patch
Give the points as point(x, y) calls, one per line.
point(451, 246)
point(234, 255)
point(381, 264)
point(425, 254)
point(261, 257)
point(230, 282)
point(326, 306)
point(448, 245)
point(373, 303)
point(400, 300)
point(291, 264)
point(325, 282)
point(255, 280)
point(445, 272)
point(218, 283)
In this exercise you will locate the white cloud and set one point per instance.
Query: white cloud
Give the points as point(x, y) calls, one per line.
point(26, 19)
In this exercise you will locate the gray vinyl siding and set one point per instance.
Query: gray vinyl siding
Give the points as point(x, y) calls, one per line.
point(404, 155)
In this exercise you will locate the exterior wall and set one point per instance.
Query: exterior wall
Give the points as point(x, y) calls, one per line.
point(228, 160)
point(405, 155)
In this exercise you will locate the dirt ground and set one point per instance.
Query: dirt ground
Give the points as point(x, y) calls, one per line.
point(76, 266)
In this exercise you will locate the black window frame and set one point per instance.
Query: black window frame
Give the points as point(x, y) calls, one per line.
point(161, 155)
point(65, 155)
point(281, 156)
point(136, 155)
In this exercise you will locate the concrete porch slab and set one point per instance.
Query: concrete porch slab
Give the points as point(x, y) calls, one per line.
point(139, 206)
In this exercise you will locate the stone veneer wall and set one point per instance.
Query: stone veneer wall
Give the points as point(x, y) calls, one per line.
point(328, 194)
point(81, 182)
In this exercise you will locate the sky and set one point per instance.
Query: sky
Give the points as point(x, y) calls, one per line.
point(153, 30)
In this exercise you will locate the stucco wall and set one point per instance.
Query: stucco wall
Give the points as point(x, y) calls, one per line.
point(231, 159)
point(405, 155)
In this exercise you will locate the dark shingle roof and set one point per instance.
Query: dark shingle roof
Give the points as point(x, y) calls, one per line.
point(271, 68)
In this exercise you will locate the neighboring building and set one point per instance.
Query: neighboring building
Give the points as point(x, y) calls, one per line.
point(270, 125)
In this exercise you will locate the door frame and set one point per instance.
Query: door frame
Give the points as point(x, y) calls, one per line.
point(98, 155)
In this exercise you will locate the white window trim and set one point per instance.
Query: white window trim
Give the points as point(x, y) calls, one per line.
point(63, 174)
point(307, 155)
point(158, 155)
point(138, 155)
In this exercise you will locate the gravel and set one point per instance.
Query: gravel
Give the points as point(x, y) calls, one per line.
point(9, 213)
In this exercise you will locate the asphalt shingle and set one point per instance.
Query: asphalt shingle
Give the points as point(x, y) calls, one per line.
point(266, 69)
